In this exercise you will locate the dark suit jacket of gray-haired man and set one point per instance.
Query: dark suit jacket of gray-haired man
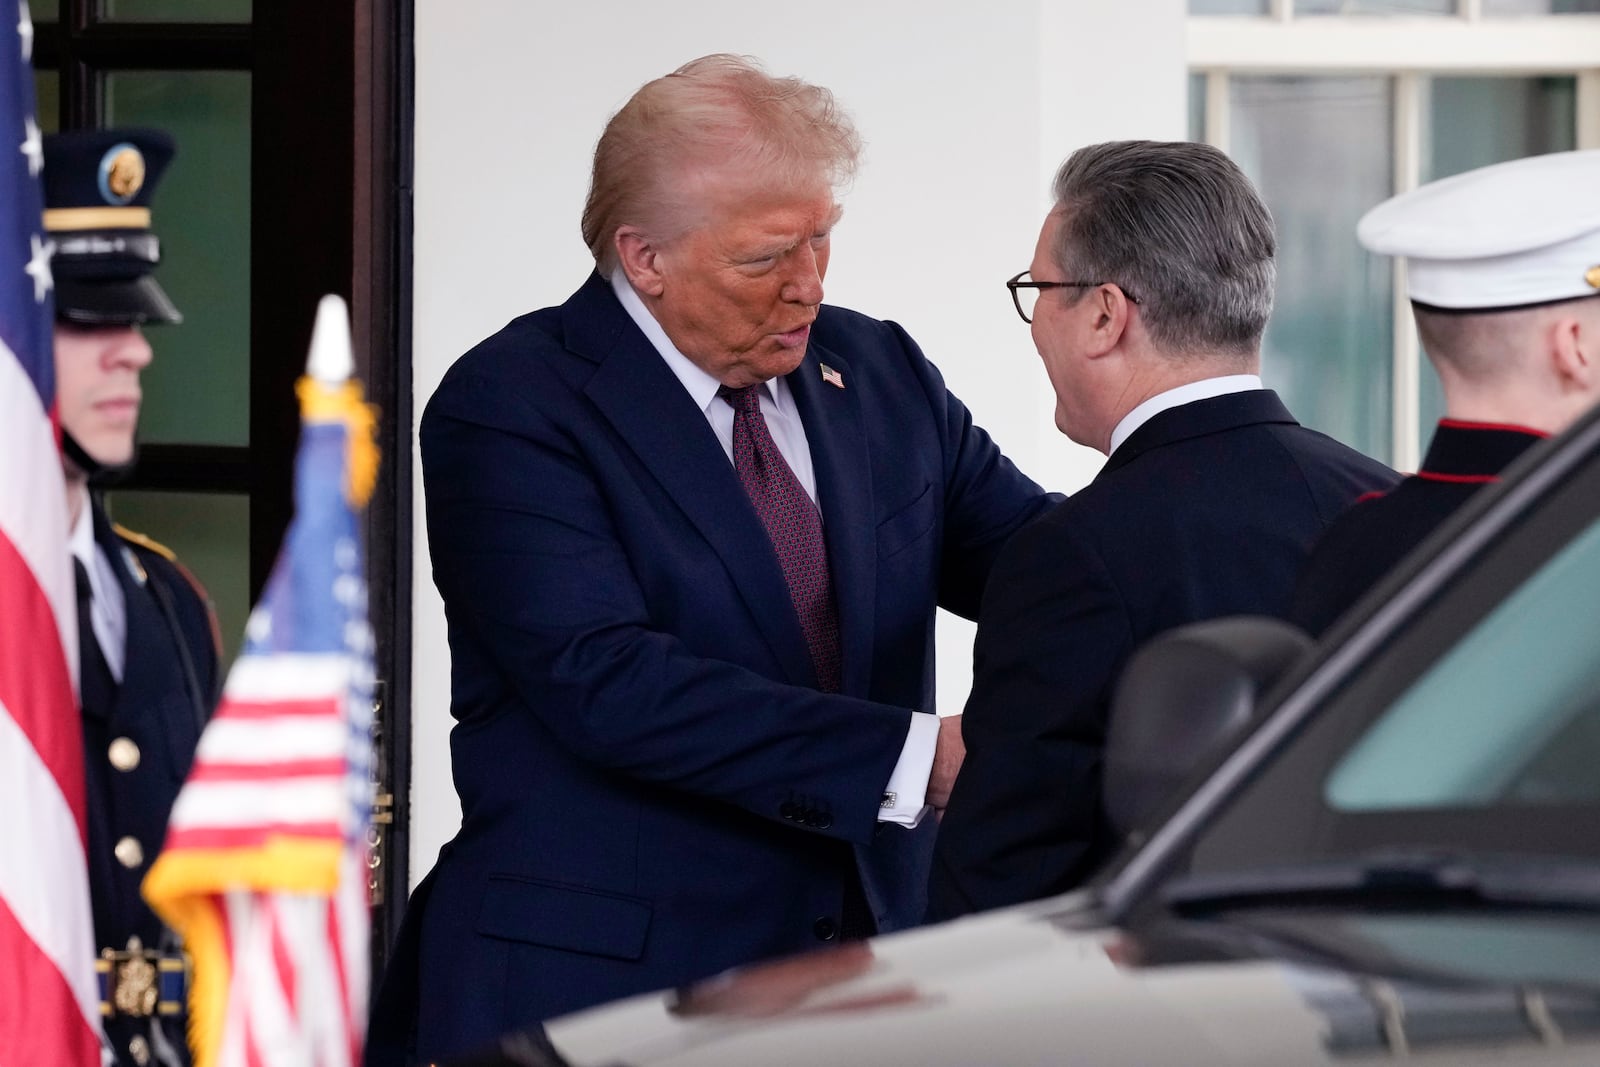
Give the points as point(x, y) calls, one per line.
point(671, 760)
point(1154, 277)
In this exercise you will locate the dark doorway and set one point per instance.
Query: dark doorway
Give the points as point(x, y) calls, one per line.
point(292, 180)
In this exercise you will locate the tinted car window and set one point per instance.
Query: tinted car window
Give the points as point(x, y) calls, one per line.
point(1511, 715)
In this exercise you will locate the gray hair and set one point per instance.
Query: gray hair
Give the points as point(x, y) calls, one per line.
point(718, 112)
point(1177, 225)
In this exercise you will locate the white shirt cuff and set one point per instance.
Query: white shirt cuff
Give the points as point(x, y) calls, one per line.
point(904, 798)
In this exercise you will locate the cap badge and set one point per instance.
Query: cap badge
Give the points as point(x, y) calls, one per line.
point(121, 173)
point(1592, 276)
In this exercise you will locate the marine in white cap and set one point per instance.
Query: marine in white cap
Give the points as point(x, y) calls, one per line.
point(1503, 271)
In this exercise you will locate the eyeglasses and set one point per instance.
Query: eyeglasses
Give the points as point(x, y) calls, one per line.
point(1025, 294)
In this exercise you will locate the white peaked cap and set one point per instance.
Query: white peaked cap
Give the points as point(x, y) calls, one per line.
point(1503, 236)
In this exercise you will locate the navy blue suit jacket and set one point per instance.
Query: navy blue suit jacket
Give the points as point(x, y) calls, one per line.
point(652, 789)
point(1208, 509)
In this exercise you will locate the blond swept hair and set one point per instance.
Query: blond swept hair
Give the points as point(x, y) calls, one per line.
point(719, 115)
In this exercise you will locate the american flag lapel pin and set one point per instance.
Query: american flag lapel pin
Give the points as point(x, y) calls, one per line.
point(831, 376)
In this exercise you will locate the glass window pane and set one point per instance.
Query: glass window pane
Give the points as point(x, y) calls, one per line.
point(198, 388)
point(1541, 7)
point(47, 100)
point(1473, 122)
point(211, 535)
point(44, 10)
point(1319, 150)
point(1197, 107)
point(1230, 7)
point(1374, 7)
point(177, 10)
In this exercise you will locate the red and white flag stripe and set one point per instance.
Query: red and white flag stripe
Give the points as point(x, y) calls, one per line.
point(47, 984)
point(272, 761)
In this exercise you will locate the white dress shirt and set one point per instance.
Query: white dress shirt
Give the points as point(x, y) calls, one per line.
point(905, 794)
point(108, 612)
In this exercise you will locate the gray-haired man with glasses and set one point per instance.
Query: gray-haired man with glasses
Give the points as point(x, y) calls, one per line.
point(1147, 296)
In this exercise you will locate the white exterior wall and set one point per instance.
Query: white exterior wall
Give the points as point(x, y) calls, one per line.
point(966, 110)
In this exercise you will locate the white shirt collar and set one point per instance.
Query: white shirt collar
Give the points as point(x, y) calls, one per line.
point(81, 539)
point(1204, 389)
point(702, 387)
point(108, 610)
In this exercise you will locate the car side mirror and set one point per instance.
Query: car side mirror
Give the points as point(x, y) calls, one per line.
point(1183, 697)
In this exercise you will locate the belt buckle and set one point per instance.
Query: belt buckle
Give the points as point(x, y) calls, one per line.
point(138, 983)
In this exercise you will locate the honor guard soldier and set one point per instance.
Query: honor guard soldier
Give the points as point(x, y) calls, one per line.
point(148, 640)
point(1503, 268)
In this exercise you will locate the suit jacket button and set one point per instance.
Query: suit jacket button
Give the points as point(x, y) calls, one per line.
point(824, 820)
point(825, 929)
point(123, 754)
point(129, 852)
point(787, 810)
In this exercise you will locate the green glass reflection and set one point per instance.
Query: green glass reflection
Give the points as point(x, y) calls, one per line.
point(1473, 122)
point(47, 100)
point(211, 535)
point(44, 10)
point(1230, 7)
point(1319, 151)
point(177, 11)
point(1541, 7)
point(1374, 7)
point(198, 389)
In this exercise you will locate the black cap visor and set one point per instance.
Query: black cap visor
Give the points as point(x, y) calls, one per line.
point(113, 302)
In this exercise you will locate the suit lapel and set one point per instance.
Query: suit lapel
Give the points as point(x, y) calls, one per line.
point(837, 437)
point(644, 402)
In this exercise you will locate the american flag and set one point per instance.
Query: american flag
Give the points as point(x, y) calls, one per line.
point(264, 869)
point(49, 1007)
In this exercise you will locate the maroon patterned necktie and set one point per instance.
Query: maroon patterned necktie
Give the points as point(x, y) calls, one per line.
point(793, 524)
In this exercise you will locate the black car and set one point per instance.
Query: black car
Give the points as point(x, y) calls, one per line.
point(1396, 855)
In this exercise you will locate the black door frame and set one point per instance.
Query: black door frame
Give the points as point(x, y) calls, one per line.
point(353, 116)
point(331, 209)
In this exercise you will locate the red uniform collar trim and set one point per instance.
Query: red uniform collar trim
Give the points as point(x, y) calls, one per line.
point(1464, 424)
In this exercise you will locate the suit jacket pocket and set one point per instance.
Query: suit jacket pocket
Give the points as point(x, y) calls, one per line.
point(565, 917)
point(907, 525)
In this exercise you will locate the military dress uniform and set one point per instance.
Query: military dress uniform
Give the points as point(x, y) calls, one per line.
point(1511, 237)
point(1369, 539)
point(147, 638)
point(140, 732)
